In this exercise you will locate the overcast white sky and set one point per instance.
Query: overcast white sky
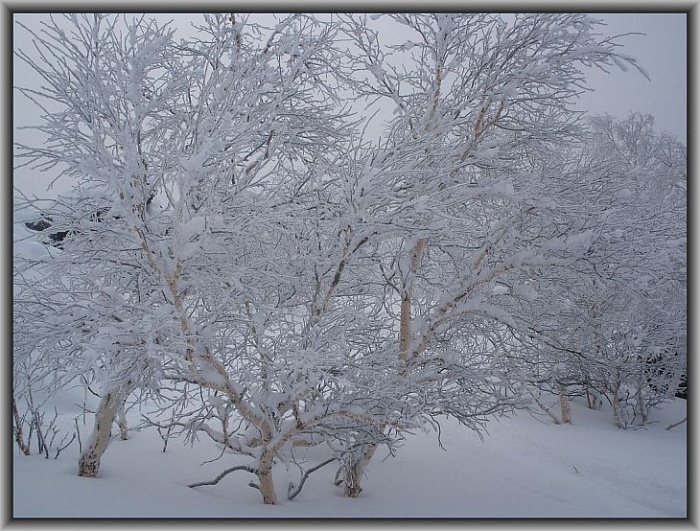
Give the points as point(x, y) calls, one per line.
point(662, 52)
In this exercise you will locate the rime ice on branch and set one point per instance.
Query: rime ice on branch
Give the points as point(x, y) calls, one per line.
point(275, 278)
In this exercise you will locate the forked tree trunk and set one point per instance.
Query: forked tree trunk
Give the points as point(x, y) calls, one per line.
point(354, 471)
point(351, 484)
point(594, 401)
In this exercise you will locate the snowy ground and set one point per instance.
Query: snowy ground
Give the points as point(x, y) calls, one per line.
point(526, 467)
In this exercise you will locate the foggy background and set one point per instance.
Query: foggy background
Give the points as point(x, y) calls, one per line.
point(662, 52)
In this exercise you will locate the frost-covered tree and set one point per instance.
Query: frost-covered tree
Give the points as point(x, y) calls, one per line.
point(640, 299)
point(615, 323)
point(237, 248)
point(224, 285)
point(474, 98)
point(107, 89)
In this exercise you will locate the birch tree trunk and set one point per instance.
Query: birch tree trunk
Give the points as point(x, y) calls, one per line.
point(110, 405)
point(121, 418)
point(355, 470)
point(406, 301)
point(617, 413)
point(19, 434)
point(641, 406)
point(616, 410)
point(89, 462)
point(267, 487)
point(564, 405)
point(593, 398)
point(352, 485)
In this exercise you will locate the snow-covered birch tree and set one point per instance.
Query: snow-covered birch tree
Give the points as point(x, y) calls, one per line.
point(474, 98)
point(234, 140)
point(237, 247)
point(613, 325)
point(106, 89)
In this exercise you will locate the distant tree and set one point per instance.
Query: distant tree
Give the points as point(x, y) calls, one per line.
point(617, 319)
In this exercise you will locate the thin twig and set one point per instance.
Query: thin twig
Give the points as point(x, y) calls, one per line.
point(61, 448)
point(677, 424)
point(223, 475)
point(310, 471)
point(77, 430)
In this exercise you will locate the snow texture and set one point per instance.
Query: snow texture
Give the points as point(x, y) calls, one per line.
point(527, 467)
